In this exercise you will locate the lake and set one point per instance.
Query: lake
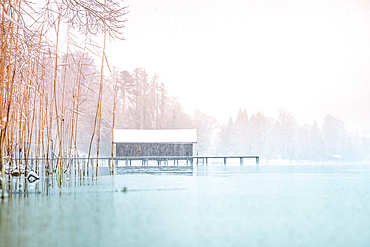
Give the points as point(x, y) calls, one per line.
point(291, 205)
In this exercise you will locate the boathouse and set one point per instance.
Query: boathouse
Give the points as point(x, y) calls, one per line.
point(172, 142)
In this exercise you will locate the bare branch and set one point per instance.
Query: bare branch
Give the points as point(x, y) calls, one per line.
point(90, 16)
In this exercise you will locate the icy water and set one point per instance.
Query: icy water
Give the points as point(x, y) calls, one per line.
point(307, 205)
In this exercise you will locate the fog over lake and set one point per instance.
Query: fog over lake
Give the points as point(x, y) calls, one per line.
point(308, 57)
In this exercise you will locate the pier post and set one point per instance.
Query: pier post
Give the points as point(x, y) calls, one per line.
point(224, 161)
point(241, 161)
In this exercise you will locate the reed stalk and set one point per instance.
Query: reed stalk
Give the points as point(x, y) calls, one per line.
point(115, 92)
point(98, 108)
point(40, 108)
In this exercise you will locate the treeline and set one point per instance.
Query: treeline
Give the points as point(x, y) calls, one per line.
point(141, 101)
point(134, 100)
point(284, 138)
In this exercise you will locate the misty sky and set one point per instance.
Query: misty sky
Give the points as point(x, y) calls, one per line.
point(310, 57)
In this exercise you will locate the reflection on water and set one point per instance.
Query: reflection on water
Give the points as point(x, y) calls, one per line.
point(155, 170)
point(310, 205)
point(20, 186)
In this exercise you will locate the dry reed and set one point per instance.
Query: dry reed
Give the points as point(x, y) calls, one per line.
point(40, 106)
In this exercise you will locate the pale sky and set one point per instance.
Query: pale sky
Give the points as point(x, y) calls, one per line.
point(310, 57)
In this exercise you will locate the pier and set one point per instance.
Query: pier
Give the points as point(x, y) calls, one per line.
point(190, 160)
point(143, 160)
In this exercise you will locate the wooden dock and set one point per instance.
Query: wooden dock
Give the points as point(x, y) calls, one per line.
point(144, 160)
point(190, 160)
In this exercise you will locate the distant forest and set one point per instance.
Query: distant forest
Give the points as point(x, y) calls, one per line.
point(283, 138)
point(141, 101)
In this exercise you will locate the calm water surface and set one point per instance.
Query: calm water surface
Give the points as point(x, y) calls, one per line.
point(308, 205)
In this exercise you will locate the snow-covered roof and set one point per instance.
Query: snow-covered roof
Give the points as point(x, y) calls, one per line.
point(155, 136)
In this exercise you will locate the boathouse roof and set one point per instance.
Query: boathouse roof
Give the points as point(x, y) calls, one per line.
point(155, 136)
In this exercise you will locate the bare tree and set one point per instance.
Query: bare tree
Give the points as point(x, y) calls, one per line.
point(93, 17)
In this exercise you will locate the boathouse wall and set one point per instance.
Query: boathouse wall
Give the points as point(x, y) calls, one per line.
point(174, 142)
point(153, 149)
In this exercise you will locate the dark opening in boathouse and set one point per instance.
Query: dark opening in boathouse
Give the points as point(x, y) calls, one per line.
point(174, 142)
